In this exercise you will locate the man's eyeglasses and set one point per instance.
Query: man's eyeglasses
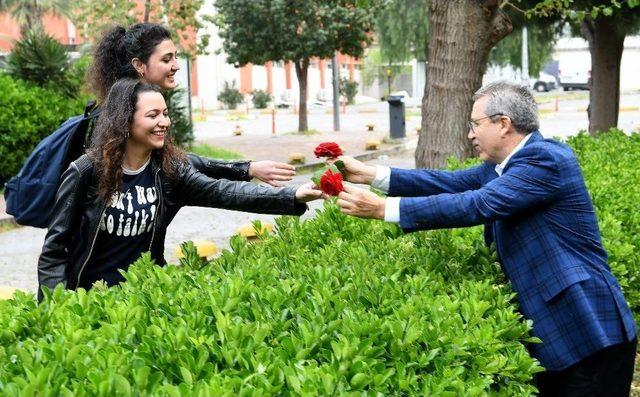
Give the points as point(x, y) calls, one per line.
point(474, 123)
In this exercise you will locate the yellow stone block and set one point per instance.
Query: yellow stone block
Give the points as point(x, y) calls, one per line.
point(296, 158)
point(204, 249)
point(370, 126)
point(372, 145)
point(6, 292)
point(247, 230)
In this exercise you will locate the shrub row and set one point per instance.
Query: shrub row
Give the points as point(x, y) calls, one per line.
point(611, 166)
point(332, 306)
point(29, 114)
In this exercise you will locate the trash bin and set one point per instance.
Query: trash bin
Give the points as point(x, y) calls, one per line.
point(396, 116)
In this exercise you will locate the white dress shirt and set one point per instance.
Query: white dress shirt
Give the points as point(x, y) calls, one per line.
point(392, 204)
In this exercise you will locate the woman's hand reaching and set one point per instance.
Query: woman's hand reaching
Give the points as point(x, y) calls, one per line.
point(272, 172)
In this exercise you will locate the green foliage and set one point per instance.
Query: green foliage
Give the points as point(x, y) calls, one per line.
point(349, 89)
point(76, 76)
point(541, 40)
point(260, 99)
point(40, 59)
point(230, 95)
point(30, 113)
point(292, 30)
point(215, 152)
point(331, 306)
point(376, 67)
point(611, 166)
point(29, 14)
point(580, 9)
point(181, 125)
point(93, 17)
point(402, 28)
point(258, 32)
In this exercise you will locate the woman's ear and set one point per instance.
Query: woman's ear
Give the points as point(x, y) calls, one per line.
point(139, 66)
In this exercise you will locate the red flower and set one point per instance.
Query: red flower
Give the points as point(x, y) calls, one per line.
point(328, 149)
point(331, 183)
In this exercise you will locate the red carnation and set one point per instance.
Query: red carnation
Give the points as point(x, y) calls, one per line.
point(331, 183)
point(328, 149)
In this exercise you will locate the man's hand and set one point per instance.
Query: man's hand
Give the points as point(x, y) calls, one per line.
point(272, 172)
point(361, 203)
point(357, 171)
point(307, 192)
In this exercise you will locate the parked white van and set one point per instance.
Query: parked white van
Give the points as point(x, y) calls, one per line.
point(574, 69)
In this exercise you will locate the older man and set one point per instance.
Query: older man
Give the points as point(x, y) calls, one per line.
point(531, 196)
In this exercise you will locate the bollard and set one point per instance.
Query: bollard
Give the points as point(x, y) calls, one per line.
point(273, 122)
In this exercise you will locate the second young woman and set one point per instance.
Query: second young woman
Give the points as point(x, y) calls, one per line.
point(146, 51)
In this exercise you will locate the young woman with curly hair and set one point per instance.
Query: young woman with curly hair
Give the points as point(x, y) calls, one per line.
point(116, 201)
point(146, 51)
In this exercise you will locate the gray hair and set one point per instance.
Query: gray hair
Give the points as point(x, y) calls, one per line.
point(512, 100)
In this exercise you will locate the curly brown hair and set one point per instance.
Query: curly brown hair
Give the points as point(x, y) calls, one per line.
point(111, 134)
point(113, 54)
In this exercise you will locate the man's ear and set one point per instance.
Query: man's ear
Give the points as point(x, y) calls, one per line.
point(506, 127)
point(138, 65)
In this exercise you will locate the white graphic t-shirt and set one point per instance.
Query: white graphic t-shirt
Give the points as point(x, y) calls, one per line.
point(125, 228)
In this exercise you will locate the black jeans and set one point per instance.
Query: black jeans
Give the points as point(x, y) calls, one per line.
point(605, 373)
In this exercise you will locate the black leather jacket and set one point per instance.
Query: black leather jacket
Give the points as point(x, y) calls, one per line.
point(78, 208)
point(232, 170)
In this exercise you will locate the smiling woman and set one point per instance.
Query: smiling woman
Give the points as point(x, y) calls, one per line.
point(116, 202)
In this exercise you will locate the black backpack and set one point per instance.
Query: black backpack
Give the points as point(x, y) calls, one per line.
point(30, 194)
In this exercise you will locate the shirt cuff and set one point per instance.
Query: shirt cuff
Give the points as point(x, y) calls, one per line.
point(381, 181)
point(392, 210)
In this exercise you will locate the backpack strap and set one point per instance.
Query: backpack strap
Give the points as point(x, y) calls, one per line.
point(91, 109)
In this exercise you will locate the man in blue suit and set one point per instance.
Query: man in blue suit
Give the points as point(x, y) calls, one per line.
point(531, 196)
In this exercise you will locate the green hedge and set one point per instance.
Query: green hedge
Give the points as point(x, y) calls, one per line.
point(611, 166)
point(331, 306)
point(28, 114)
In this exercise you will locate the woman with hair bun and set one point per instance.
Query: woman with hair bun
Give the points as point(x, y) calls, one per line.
point(147, 51)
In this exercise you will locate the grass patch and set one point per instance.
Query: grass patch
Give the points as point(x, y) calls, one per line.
point(6, 226)
point(237, 116)
point(215, 152)
point(629, 108)
point(305, 132)
point(547, 97)
point(367, 110)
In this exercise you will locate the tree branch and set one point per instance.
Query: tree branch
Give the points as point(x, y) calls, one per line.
point(508, 3)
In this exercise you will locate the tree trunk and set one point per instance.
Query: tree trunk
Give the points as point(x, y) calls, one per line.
point(606, 42)
point(461, 34)
point(302, 66)
point(147, 11)
point(33, 20)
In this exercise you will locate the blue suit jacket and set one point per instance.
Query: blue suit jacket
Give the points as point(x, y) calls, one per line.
point(541, 219)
